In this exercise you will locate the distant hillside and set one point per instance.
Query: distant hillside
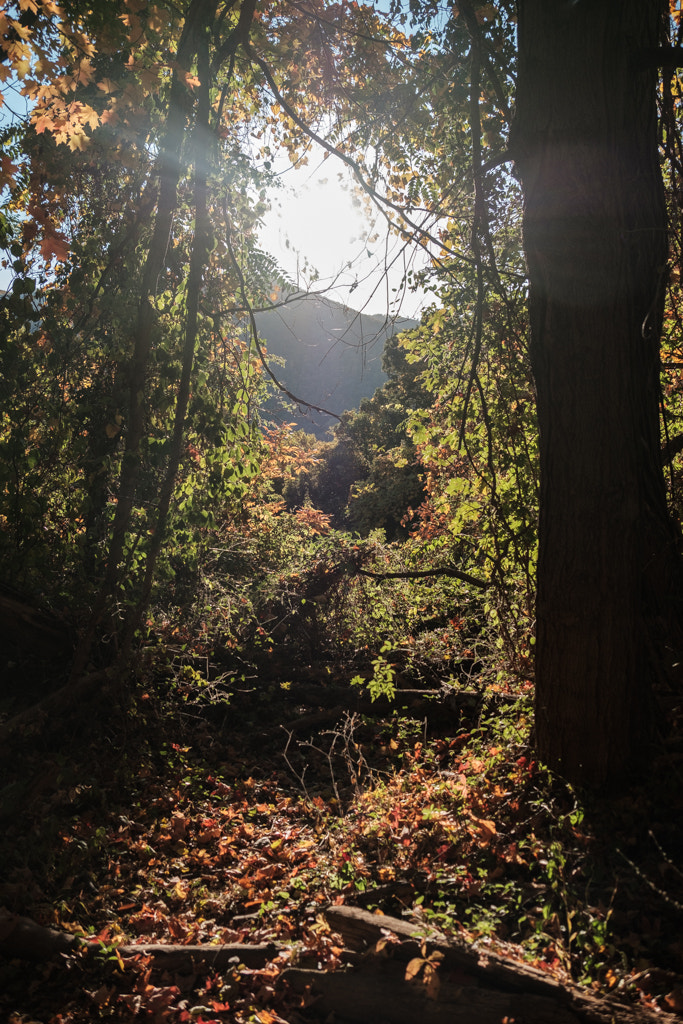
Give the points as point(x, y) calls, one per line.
point(333, 356)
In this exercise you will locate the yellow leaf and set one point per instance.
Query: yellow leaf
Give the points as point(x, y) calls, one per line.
point(22, 68)
point(78, 141)
point(414, 967)
point(21, 30)
point(85, 71)
point(181, 889)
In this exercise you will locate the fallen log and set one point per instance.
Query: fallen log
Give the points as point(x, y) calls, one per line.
point(470, 985)
point(437, 706)
point(380, 993)
point(23, 939)
point(56, 704)
point(186, 959)
point(32, 628)
point(361, 929)
point(513, 989)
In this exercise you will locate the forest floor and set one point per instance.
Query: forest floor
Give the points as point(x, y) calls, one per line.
point(180, 811)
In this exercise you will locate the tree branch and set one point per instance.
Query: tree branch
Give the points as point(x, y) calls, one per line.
point(420, 235)
point(457, 574)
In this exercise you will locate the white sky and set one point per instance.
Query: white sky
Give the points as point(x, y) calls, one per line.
point(319, 223)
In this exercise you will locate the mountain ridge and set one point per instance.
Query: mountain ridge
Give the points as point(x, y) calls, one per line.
point(332, 353)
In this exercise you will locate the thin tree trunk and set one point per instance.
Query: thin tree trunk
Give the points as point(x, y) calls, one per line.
point(198, 260)
point(595, 239)
point(170, 169)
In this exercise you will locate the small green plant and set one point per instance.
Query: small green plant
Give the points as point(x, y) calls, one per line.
point(383, 675)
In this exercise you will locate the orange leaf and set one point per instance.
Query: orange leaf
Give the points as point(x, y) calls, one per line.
point(54, 246)
point(486, 830)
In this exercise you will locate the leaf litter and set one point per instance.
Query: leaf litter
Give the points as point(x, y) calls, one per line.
point(156, 826)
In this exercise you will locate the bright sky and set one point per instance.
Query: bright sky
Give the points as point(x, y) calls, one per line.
point(319, 223)
point(327, 236)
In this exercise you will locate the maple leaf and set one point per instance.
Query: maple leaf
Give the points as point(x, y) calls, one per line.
point(157, 18)
point(43, 122)
point(78, 141)
point(21, 30)
point(8, 169)
point(109, 116)
point(32, 89)
point(22, 67)
point(54, 246)
point(85, 71)
point(107, 86)
point(149, 77)
point(44, 66)
point(83, 113)
point(190, 80)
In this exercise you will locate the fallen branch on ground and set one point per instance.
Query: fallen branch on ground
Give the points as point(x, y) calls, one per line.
point(24, 939)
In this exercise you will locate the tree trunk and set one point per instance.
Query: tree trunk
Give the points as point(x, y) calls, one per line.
point(595, 239)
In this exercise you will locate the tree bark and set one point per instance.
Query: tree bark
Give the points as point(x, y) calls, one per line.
point(585, 148)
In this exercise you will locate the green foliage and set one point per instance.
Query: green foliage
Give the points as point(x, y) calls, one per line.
point(381, 682)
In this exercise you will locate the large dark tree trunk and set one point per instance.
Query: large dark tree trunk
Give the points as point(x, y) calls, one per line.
point(595, 239)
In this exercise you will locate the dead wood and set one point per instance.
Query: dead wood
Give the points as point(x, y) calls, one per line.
point(380, 993)
point(53, 706)
point(362, 929)
point(437, 706)
point(465, 969)
point(186, 959)
point(24, 939)
point(35, 629)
